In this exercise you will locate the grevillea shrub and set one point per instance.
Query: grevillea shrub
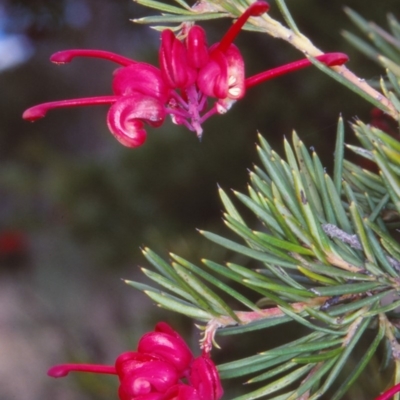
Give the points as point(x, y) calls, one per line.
point(326, 258)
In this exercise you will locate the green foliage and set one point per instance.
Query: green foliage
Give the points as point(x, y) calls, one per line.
point(326, 259)
point(324, 246)
point(384, 49)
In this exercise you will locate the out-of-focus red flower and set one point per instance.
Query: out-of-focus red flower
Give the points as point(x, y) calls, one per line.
point(12, 243)
point(384, 122)
point(162, 368)
point(14, 250)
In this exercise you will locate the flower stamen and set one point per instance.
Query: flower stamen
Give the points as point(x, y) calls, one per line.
point(62, 370)
point(254, 10)
point(66, 56)
point(39, 111)
point(329, 59)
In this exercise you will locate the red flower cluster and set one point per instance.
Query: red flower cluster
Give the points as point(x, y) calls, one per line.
point(189, 73)
point(12, 243)
point(158, 370)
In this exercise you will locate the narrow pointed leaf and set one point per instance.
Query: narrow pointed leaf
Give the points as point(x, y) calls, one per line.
point(174, 18)
point(164, 7)
point(339, 155)
point(361, 45)
point(282, 244)
point(206, 299)
point(257, 255)
point(277, 385)
point(226, 288)
point(172, 274)
point(342, 358)
point(171, 303)
point(316, 277)
point(318, 357)
point(203, 290)
point(259, 212)
point(308, 324)
point(287, 16)
point(320, 370)
point(359, 368)
point(229, 207)
point(348, 288)
point(167, 284)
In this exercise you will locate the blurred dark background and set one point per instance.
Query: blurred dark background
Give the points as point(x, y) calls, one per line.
point(75, 206)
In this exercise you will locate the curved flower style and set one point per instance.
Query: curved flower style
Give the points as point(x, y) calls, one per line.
point(155, 371)
point(389, 393)
point(189, 74)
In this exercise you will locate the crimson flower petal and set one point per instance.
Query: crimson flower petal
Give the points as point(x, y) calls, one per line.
point(156, 370)
point(174, 63)
point(140, 78)
point(168, 345)
point(126, 118)
point(213, 78)
point(66, 56)
point(165, 328)
point(205, 379)
point(150, 396)
point(130, 360)
point(196, 43)
point(236, 78)
point(182, 392)
point(223, 76)
point(153, 376)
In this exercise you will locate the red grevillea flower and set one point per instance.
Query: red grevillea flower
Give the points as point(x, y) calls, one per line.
point(190, 72)
point(162, 368)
